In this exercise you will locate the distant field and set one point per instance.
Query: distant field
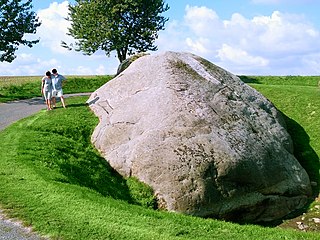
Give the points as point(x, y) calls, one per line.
point(311, 81)
point(23, 87)
point(6, 81)
point(267, 80)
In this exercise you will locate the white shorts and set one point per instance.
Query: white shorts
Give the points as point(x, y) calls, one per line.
point(57, 93)
point(47, 95)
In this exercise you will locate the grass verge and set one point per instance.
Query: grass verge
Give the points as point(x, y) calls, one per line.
point(52, 178)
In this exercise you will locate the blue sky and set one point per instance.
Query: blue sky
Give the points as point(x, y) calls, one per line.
point(249, 37)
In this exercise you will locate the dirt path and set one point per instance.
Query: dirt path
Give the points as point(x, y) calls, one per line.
point(9, 113)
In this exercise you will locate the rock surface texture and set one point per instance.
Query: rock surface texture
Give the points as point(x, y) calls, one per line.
point(208, 144)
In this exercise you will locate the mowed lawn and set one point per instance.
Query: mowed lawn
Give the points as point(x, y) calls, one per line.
point(52, 178)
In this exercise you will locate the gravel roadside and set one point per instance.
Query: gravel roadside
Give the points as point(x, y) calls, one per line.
point(9, 113)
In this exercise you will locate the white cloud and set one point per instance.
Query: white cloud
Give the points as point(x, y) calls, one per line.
point(201, 20)
point(313, 63)
point(173, 37)
point(100, 70)
point(285, 34)
point(259, 44)
point(240, 57)
point(27, 64)
point(198, 45)
point(54, 26)
point(112, 68)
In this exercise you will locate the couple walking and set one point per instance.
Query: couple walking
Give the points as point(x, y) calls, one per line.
point(52, 87)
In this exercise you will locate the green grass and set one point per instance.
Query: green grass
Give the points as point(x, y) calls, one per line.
point(52, 178)
point(13, 88)
point(282, 80)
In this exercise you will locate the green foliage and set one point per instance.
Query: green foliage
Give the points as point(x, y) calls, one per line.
point(128, 26)
point(141, 193)
point(126, 63)
point(16, 19)
point(31, 88)
point(14, 92)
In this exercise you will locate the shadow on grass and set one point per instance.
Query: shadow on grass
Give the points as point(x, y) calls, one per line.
point(27, 98)
point(304, 153)
point(308, 159)
point(73, 105)
point(249, 79)
point(92, 171)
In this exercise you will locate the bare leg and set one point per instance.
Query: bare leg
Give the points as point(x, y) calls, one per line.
point(62, 101)
point(48, 104)
point(54, 102)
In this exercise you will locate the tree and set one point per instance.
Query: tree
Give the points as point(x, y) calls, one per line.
point(124, 26)
point(16, 19)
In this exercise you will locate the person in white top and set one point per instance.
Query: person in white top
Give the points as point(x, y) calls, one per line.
point(57, 87)
point(46, 89)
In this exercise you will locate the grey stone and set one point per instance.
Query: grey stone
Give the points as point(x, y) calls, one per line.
point(208, 144)
point(126, 63)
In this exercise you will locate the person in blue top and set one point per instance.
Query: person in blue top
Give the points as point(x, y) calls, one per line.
point(46, 89)
point(57, 91)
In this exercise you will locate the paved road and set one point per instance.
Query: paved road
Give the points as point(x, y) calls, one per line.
point(11, 112)
point(14, 230)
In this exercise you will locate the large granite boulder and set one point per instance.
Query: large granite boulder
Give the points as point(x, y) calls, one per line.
point(126, 63)
point(208, 144)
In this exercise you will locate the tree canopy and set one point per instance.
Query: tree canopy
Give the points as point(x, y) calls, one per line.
point(16, 19)
point(124, 26)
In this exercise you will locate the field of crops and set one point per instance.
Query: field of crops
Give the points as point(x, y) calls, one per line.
point(23, 87)
point(6, 81)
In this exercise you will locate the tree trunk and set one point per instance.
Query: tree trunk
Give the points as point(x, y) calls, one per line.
point(122, 54)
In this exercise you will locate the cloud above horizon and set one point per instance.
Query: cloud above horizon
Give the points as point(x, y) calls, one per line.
point(244, 45)
point(54, 27)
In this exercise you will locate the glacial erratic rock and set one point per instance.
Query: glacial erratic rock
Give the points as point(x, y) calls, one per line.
point(208, 144)
point(126, 63)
